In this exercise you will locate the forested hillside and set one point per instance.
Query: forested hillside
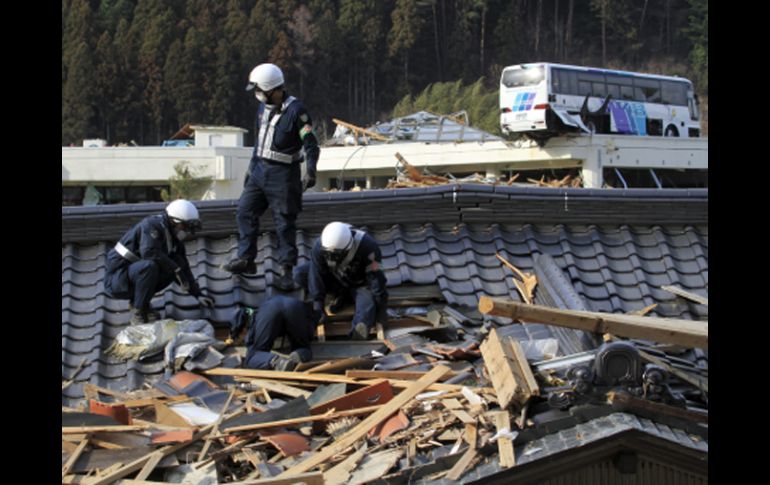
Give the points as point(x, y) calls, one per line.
point(140, 69)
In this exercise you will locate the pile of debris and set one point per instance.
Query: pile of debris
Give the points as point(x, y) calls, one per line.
point(448, 394)
point(407, 176)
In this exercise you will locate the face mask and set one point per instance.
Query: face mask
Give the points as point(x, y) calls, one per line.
point(261, 96)
point(182, 235)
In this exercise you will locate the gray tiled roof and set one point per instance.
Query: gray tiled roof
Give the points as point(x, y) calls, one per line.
point(580, 435)
point(613, 268)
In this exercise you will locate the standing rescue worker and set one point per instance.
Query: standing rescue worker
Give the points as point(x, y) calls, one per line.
point(151, 256)
point(283, 130)
point(347, 264)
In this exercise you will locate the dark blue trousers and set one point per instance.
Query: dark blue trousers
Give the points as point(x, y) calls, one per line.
point(137, 282)
point(278, 316)
point(365, 305)
point(278, 186)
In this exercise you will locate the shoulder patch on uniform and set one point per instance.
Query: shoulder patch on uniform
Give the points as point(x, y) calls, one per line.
point(304, 117)
point(154, 234)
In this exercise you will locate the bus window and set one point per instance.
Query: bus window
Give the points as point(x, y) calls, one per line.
point(598, 89)
point(627, 93)
point(673, 92)
point(526, 76)
point(564, 81)
point(647, 90)
point(613, 90)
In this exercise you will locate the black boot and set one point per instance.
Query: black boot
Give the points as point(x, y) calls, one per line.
point(241, 266)
point(285, 282)
point(285, 364)
point(140, 316)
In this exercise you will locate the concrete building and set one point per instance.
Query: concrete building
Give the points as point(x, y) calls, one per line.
point(138, 174)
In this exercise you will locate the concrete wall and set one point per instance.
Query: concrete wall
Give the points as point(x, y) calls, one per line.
point(227, 165)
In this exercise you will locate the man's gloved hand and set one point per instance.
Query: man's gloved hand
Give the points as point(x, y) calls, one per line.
point(206, 301)
point(308, 180)
point(183, 283)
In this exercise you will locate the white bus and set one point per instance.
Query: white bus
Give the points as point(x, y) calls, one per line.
point(541, 100)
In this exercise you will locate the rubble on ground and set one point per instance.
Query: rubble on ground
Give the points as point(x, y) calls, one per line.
point(440, 393)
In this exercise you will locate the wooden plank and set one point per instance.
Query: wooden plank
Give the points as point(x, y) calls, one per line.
point(74, 457)
point(685, 294)
point(391, 374)
point(358, 129)
point(330, 415)
point(504, 371)
point(140, 462)
point(462, 464)
point(458, 411)
point(523, 366)
point(149, 466)
point(359, 431)
point(215, 429)
point(342, 364)
point(284, 389)
point(102, 429)
point(324, 378)
point(667, 330)
point(655, 407)
point(340, 473)
point(505, 445)
point(471, 434)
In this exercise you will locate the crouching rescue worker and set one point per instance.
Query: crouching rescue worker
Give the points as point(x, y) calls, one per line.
point(278, 316)
point(283, 130)
point(346, 264)
point(151, 256)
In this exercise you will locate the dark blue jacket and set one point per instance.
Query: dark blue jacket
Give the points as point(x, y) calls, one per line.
point(152, 239)
point(287, 138)
point(365, 269)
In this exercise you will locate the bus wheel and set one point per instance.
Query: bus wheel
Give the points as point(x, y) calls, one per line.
point(671, 131)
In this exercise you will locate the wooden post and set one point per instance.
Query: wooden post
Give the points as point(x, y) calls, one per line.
point(687, 333)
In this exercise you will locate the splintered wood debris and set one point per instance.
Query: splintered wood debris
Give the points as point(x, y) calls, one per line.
point(446, 393)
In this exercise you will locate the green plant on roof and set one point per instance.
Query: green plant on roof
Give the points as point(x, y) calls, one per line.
point(188, 183)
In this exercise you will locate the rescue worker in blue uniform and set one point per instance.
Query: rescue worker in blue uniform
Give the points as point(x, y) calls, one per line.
point(279, 315)
point(283, 129)
point(151, 256)
point(346, 263)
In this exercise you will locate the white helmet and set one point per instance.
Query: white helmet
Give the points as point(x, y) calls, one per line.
point(336, 238)
point(184, 211)
point(266, 77)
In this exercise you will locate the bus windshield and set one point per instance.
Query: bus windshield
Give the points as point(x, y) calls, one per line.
point(526, 76)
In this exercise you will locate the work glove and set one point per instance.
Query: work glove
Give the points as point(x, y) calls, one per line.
point(183, 283)
point(206, 301)
point(308, 180)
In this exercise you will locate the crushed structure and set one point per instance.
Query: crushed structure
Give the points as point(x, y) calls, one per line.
point(535, 335)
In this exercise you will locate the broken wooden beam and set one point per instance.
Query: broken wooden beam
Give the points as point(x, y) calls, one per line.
point(102, 429)
point(74, 457)
point(688, 333)
point(327, 416)
point(685, 294)
point(508, 370)
point(504, 445)
point(360, 430)
point(358, 129)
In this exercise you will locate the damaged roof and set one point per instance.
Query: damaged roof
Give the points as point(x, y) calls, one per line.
point(598, 250)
